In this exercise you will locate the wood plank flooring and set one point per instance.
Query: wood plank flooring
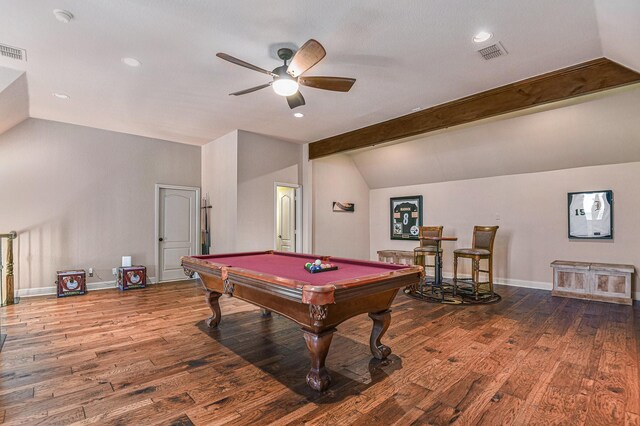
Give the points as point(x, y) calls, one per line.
point(146, 357)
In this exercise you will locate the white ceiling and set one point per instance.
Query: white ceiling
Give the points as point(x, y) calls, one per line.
point(404, 54)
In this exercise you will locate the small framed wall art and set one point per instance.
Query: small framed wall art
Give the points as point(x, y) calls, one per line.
point(406, 217)
point(590, 215)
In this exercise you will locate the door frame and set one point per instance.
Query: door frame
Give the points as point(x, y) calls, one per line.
point(156, 243)
point(298, 207)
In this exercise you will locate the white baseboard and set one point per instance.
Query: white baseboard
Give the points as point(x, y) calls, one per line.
point(105, 285)
point(524, 283)
point(512, 282)
point(100, 285)
point(540, 285)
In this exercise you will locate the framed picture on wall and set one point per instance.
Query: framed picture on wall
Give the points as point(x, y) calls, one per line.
point(406, 217)
point(343, 207)
point(590, 214)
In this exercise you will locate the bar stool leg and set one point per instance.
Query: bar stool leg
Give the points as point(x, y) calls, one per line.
point(455, 268)
point(420, 259)
point(455, 273)
point(491, 274)
point(475, 274)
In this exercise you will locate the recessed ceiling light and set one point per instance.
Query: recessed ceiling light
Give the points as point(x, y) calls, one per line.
point(63, 15)
point(132, 62)
point(482, 36)
point(298, 114)
point(61, 96)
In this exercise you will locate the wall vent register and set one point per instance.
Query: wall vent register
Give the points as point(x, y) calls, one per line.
point(13, 52)
point(493, 51)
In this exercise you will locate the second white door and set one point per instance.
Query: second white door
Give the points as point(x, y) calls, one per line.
point(178, 230)
point(285, 218)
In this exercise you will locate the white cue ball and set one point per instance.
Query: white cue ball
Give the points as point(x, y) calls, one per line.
point(318, 262)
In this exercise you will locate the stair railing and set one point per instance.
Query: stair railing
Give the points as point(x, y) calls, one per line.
point(10, 296)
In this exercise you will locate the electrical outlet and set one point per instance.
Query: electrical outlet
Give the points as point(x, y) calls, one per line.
point(90, 272)
point(114, 271)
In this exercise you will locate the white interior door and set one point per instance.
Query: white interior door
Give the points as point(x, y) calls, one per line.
point(285, 218)
point(177, 231)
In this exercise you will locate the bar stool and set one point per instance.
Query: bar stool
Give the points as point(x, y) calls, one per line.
point(427, 248)
point(483, 238)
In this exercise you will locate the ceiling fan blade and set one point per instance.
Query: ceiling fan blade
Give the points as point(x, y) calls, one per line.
point(243, 63)
point(337, 84)
point(295, 100)
point(253, 89)
point(309, 54)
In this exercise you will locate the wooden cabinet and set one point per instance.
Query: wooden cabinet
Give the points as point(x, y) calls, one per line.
point(606, 282)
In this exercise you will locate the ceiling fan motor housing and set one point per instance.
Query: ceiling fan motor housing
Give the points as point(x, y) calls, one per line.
point(285, 54)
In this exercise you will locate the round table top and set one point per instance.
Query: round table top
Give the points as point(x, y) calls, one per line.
point(439, 238)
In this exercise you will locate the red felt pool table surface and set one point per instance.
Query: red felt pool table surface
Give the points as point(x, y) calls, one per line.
point(291, 266)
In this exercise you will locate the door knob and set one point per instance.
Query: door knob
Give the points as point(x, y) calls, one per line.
point(280, 236)
point(160, 239)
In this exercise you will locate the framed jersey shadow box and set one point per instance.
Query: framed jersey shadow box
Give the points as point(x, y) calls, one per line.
point(590, 215)
point(406, 217)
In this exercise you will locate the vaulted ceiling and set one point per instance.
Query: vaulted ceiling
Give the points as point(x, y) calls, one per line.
point(404, 54)
point(592, 130)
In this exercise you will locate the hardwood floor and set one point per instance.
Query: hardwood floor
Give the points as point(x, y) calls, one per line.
point(146, 357)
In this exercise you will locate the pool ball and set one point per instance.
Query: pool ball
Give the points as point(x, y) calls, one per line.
point(318, 262)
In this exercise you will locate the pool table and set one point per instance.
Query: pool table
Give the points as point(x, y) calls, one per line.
point(278, 282)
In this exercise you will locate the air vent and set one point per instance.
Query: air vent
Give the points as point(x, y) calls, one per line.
point(493, 51)
point(13, 52)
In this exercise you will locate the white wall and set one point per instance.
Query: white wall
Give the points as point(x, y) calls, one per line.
point(306, 178)
point(619, 30)
point(220, 182)
point(262, 161)
point(336, 178)
point(239, 171)
point(81, 197)
point(14, 98)
point(532, 211)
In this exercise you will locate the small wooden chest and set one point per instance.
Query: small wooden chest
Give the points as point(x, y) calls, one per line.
point(132, 277)
point(605, 282)
point(71, 283)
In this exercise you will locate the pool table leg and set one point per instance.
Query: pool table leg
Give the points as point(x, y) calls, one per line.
point(318, 377)
point(212, 300)
point(381, 321)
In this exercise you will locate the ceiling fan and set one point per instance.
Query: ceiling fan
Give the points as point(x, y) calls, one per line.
point(287, 78)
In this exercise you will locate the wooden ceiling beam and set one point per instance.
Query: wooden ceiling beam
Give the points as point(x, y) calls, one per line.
point(582, 79)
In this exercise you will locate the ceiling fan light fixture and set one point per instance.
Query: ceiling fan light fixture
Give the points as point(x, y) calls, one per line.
point(285, 86)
